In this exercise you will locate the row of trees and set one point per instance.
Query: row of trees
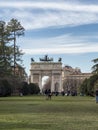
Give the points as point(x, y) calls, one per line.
point(10, 54)
point(27, 89)
point(90, 85)
point(6, 89)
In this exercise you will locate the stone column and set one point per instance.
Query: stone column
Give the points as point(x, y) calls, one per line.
point(60, 89)
point(40, 82)
point(31, 77)
point(52, 83)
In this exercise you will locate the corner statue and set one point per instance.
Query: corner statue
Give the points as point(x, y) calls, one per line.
point(32, 60)
point(60, 59)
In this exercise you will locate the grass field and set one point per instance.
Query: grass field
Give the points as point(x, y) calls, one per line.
point(37, 113)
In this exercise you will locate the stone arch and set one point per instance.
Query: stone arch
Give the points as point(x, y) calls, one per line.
point(47, 68)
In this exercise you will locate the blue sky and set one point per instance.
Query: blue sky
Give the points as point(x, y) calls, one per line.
point(59, 28)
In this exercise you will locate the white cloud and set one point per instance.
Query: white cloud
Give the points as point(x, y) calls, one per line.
point(31, 20)
point(50, 5)
point(65, 40)
point(63, 50)
point(51, 14)
point(61, 45)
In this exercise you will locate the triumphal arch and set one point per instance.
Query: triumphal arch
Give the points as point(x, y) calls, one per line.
point(47, 67)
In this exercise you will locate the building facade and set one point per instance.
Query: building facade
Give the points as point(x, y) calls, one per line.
point(73, 78)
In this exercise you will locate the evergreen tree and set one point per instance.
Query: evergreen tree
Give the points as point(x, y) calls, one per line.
point(95, 67)
point(5, 49)
point(16, 30)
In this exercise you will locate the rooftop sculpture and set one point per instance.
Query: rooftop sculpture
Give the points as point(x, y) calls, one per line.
point(46, 58)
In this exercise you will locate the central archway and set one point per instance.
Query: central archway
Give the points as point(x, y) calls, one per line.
point(44, 79)
point(46, 83)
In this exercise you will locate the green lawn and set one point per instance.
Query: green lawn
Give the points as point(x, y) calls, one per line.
point(37, 113)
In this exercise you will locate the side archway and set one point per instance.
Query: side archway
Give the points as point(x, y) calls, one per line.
point(56, 87)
